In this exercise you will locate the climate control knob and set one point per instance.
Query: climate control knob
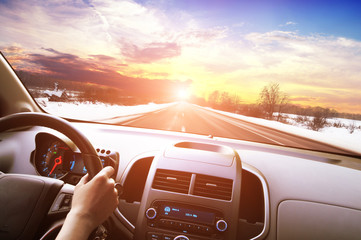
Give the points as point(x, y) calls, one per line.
point(181, 237)
point(151, 213)
point(221, 225)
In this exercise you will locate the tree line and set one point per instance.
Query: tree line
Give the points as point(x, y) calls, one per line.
point(78, 91)
point(272, 104)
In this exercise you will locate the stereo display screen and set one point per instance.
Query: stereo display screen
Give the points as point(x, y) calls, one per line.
point(186, 214)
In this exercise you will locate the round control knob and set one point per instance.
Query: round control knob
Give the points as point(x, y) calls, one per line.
point(181, 237)
point(151, 213)
point(221, 225)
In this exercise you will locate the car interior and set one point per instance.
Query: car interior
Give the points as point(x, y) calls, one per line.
point(172, 185)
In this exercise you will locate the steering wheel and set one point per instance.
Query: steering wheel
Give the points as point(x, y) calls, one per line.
point(25, 200)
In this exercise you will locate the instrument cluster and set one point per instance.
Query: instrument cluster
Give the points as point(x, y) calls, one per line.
point(53, 158)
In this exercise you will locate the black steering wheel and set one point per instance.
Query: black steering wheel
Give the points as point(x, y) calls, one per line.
point(25, 200)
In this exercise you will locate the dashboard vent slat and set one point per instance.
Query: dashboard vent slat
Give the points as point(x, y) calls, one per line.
point(213, 187)
point(173, 181)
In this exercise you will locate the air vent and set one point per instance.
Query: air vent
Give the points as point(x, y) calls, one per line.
point(173, 181)
point(213, 187)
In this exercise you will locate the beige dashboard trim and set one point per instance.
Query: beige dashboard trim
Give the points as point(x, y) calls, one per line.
point(259, 175)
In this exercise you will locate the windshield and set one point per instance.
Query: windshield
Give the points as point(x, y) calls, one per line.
point(266, 71)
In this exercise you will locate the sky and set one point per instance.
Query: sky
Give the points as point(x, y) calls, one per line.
point(311, 48)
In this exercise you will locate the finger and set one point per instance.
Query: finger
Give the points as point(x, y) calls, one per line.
point(116, 196)
point(111, 180)
point(107, 171)
point(84, 180)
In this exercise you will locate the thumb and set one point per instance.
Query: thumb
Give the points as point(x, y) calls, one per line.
point(84, 179)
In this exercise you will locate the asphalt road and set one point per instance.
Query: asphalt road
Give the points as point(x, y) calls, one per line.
point(184, 117)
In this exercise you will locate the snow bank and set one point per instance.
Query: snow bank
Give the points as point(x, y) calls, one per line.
point(96, 111)
point(339, 137)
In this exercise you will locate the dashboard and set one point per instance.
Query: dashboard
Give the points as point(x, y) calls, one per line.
point(184, 186)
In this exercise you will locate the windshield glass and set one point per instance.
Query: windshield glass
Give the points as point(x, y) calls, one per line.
point(250, 70)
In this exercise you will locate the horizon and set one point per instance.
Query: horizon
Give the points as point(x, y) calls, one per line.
point(311, 48)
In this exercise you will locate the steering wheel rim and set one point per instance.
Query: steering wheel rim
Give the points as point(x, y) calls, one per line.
point(90, 157)
point(41, 192)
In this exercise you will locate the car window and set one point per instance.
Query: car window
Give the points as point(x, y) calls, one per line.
point(174, 65)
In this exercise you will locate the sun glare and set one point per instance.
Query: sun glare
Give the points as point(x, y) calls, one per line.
point(183, 94)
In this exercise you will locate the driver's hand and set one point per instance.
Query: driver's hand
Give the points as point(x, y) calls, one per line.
point(92, 204)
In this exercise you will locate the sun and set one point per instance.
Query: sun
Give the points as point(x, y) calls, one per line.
point(183, 94)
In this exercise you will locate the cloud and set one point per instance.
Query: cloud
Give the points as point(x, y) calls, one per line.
point(289, 23)
point(71, 26)
point(302, 99)
point(151, 53)
point(197, 37)
point(103, 58)
point(318, 60)
point(100, 70)
point(12, 49)
point(71, 67)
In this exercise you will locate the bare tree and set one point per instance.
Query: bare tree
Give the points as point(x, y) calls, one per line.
point(224, 101)
point(272, 99)
point(214, 99)
point(319, 120)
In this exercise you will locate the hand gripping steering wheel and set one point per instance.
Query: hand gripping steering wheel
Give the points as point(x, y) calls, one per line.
point(25, 199)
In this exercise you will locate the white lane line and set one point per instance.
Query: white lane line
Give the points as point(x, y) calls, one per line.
point(226, 119)
point(261, 135)
point(134, 120)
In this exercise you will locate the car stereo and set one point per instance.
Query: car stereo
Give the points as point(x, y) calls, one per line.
point(185, 218)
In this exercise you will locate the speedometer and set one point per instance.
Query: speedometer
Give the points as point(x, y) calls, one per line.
point(54, 163)
point(54, 158)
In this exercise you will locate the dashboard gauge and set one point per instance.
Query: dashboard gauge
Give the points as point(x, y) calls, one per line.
point(53, 160)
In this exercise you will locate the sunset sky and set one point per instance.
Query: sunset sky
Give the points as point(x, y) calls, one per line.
point(311, 48)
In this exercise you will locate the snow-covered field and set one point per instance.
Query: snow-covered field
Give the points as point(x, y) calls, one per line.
point(340, 137)
point(96, 111)
point(100, 111)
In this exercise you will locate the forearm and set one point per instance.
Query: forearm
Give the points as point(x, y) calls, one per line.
point(76, 226)
point(93, 202)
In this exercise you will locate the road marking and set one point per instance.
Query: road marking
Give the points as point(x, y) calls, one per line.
point(134, 120)
point(233, 122)
point(261, 135)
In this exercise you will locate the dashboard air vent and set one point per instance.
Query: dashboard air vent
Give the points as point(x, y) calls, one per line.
point(213, 187)
point(173, 181)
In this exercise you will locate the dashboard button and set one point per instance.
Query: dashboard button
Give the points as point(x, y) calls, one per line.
point(189, 226)
point(172, 224)
point(151, 213)
point(181, 225)
point(207, 230)
point(167, 237)
point(221, 225)
point(152, 224)
point(154, 236)
point(198, 228)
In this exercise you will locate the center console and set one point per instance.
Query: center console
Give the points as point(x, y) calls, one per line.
point(190, 193)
